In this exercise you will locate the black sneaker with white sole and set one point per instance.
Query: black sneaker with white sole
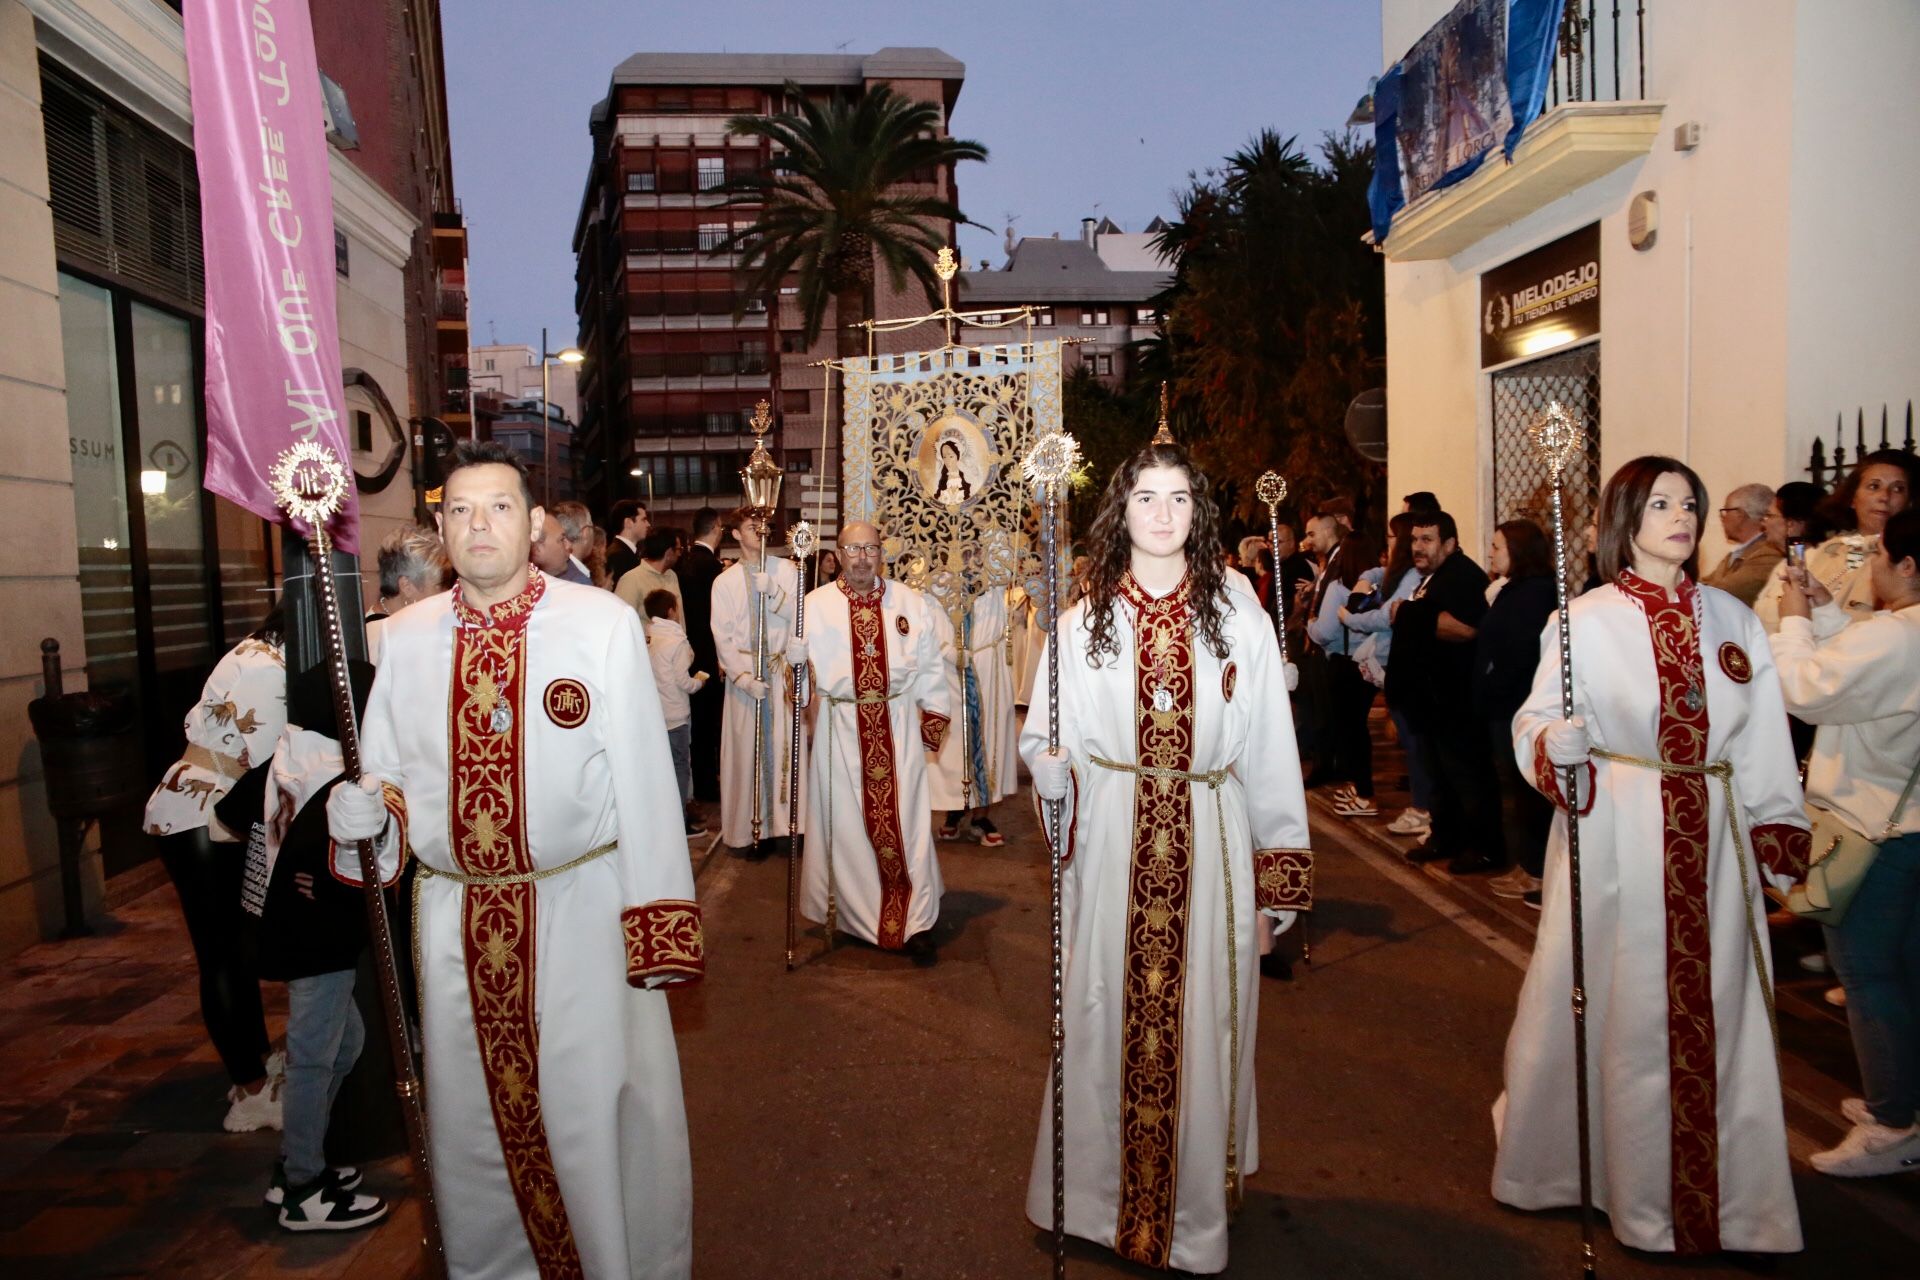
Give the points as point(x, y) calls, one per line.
point(345, 1176)
point(325, 1205)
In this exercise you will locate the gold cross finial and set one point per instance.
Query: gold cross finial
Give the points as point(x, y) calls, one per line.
point(1165, 433)
point(945, 265)
point(762, 421)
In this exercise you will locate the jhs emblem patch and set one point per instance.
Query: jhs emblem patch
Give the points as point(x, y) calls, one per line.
point(567, 703)
point(1734, 661)
point(1229, 678)
point(900, 623)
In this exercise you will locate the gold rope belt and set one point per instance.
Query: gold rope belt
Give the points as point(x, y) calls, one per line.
point(228, 767)
point(1212, 780)
point(862, 699)
point(423, 873)
point(1723, 770)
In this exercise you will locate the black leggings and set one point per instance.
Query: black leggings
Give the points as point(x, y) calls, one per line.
point(207, 877)
point(1352, 700)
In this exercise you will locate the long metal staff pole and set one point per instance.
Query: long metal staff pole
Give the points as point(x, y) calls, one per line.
point(1559, 438)
point(1271, 489)
point(1049, 466)
point(310, 483)
point(802, 539)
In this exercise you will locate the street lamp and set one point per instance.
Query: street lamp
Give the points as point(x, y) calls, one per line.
point(568, 355)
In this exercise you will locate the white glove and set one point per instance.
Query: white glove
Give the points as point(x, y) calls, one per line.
point(753, 688)
point(1292, 674)
point(1052, 774)
point(1283, 921)
point(356, 812)
point(1567, 741)
point(796, 652)
point(763, 582)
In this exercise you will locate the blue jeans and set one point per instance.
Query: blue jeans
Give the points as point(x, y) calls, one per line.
point(1420, 782)
point(324, 1037)
point(680, 744)
point(1876, 952)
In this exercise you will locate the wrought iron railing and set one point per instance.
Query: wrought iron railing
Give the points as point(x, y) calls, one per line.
point(1826, 469)
point(1595, 42)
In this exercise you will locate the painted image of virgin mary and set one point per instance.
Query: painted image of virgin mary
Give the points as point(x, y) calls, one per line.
point(951, 485)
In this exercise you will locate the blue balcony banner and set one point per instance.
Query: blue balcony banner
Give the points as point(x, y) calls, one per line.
point(1472, 83)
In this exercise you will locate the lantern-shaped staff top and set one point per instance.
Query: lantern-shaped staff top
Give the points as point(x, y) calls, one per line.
point(1271, 489)
point(761, 477)
point(1164, 434)
point(1558, 437)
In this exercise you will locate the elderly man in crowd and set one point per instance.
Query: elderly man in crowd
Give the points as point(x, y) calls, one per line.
point(1749, 564)
point(557, 547)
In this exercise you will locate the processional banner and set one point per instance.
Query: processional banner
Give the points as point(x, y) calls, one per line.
point(266, 209)
point(931, 449)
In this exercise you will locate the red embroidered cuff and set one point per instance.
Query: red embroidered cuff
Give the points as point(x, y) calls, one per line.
point(933, 729)
point(1283, 879)
point(1547, 775)
point(664, 943)
point(1783, 849)
point(396, 803)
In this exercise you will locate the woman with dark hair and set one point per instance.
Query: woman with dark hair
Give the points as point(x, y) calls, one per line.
point(1507, 653)
point(1400, 580)
point(233, 727)
point(1183, 817)
point(1879, 487)
point(1353, 577)
point(829, 568)
point(1690, 805)
point(1795, 515)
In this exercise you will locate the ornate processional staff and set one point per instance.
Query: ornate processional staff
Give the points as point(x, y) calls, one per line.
point(1271, 489)
point(760, 479)
point(803, 540)
point(1559, 439)
point(310, 484)
point(1048, 466)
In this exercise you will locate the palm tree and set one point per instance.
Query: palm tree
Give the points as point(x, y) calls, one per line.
point(841, 191)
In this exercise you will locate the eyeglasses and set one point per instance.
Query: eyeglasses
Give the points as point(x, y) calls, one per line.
point(860, 548)
point(1732, 511)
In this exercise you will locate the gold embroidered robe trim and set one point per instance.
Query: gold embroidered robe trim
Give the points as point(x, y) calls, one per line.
point(487, 834)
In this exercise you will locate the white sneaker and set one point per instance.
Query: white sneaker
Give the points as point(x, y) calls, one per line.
point(1870, 1151)
point(277, 1065)
point(1815, 962)
point(1855, 1110)
point(1354, 807)
point(1411, 822)
point(250, 1111)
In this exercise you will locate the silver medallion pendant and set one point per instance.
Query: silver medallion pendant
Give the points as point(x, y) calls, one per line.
point(1163, 699)
point(1694, 698)
point(502, 721)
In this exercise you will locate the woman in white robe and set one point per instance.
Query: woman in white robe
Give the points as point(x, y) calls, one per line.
point(983, 720)
point(1164, 872)
point(1688, 1137)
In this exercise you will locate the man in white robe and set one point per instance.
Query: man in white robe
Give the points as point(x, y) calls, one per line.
point(1183, 816)
point(977, 764)
point(514, 742)
point(880, 698)
point(737, 595)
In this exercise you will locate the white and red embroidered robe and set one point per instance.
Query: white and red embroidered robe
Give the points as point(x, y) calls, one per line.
point(983, 721)
point(1161, 953)
point(1689, 1140)
point(734, 622)
point(513, 742)
point(881, 706)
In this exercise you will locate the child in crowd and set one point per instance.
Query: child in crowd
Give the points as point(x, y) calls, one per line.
point(673, 674)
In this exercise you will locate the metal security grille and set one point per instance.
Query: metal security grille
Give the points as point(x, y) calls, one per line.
point(126, 198)
point(1522, 489)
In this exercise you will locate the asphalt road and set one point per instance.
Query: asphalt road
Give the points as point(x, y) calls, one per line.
point(861, 1118)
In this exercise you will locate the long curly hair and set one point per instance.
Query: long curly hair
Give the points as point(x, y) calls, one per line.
point(1112, 553)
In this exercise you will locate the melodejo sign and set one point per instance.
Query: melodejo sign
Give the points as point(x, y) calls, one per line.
point(1541, 300)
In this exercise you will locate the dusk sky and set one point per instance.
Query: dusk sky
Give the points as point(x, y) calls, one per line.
point(1085, 110)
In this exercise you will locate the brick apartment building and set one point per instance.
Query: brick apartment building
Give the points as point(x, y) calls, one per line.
point(676, 358)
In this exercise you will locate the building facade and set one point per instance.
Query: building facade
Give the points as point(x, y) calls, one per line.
point(1098, 291)
point(1691, 252)
point(113, 548)
point(512, 370)
point(676, 359)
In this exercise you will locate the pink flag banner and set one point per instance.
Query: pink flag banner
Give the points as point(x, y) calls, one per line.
point(266, 216)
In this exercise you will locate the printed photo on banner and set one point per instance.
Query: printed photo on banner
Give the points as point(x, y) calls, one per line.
point(954, 460)
point(1453, 103)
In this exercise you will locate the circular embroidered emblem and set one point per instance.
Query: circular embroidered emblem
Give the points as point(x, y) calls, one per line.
point(1228, 679)
point(567, 703)
point(900, 623)
point(1734, 661)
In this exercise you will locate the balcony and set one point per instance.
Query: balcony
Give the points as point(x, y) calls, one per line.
point(449, 241)
point(1596, 118)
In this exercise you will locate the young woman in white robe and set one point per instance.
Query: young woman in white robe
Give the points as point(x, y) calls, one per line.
point(1184, 815)
point(1671, 680)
